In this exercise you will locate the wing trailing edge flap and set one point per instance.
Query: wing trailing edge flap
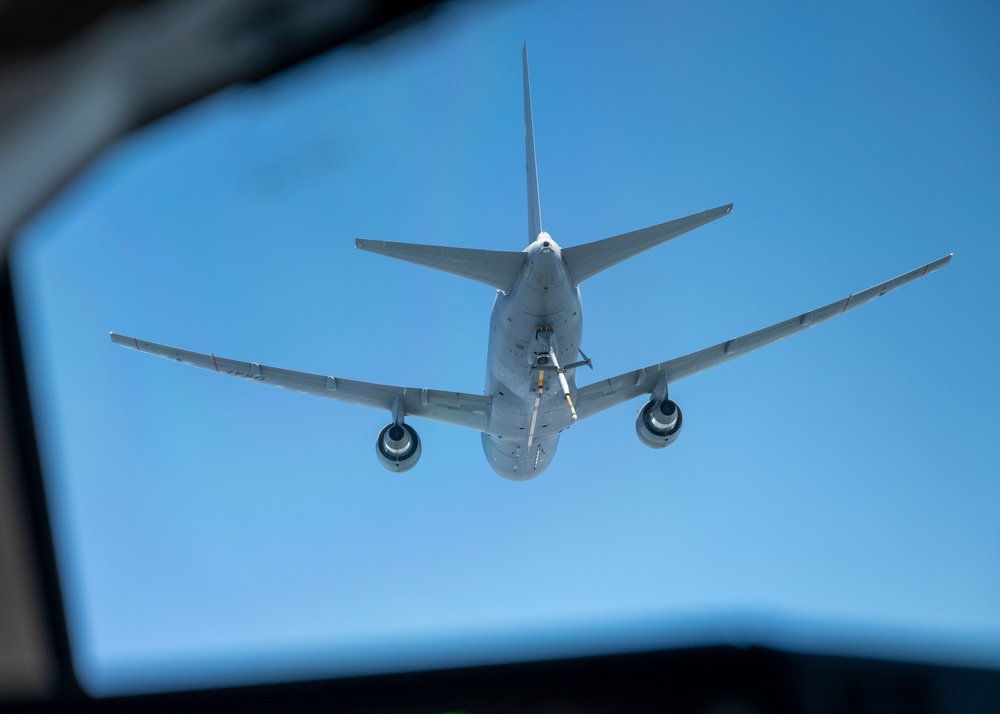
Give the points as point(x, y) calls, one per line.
point(601, 395)
point(467, 410)
point(589, 259)
point(497, 268)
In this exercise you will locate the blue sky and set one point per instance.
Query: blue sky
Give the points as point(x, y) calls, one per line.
point(836, 492)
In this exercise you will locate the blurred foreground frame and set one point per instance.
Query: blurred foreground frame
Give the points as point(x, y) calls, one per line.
point(76, 76)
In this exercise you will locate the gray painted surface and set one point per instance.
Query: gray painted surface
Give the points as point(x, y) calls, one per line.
point(536, 327)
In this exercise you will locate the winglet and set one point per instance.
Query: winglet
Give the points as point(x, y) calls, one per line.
point(534, 207)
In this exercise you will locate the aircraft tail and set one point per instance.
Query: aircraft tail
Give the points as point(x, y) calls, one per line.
point(587, 260)
point(534, 207)
point(498, 268)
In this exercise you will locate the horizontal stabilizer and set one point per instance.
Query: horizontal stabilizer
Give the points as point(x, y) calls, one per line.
point(589, 259)
point(498, 268)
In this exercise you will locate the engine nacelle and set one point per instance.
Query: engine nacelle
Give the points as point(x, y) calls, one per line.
point(659, 423)
point(398, 447)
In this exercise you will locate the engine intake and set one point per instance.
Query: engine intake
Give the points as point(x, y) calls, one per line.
point(659, 423)
point(398, 447)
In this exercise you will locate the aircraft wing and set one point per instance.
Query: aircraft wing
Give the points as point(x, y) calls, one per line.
point(605, 394)
point(468, 410)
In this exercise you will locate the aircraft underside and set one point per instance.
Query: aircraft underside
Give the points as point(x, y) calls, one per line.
point(535, 333)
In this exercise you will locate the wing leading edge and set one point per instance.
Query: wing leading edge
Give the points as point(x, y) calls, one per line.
point(605, 394)
point(467, 410)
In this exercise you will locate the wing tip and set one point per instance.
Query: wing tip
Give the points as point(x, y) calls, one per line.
point(123, 340)
point(368, 244)
point(936, 264)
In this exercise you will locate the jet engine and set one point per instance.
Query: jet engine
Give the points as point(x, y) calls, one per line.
point(659, 423)
point(398, 447)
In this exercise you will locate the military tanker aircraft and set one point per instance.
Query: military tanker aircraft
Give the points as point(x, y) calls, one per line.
point(531, 395)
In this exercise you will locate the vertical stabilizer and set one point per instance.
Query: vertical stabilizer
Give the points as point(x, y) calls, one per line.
point(534, 208)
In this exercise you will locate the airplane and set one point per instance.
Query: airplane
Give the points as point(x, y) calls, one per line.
point(531, 395)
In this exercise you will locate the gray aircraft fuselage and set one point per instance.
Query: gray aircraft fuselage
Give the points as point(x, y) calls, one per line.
point(529, 409)
point(530, 396)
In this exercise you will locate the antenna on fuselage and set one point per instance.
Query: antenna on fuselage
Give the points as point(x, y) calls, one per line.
point(534, 207)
